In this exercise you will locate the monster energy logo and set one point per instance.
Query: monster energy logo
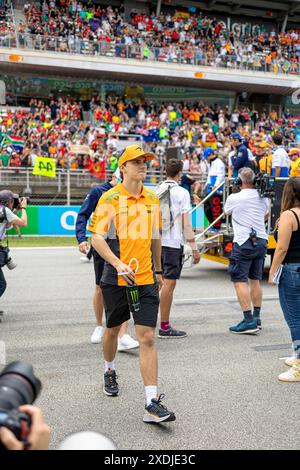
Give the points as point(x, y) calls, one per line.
point(134, 296)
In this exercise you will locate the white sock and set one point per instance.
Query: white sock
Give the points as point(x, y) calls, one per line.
point(109, 365)
point(151, 392)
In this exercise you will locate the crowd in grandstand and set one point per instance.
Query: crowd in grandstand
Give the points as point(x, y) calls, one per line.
point(50, 129)
point(7, 26)
point(84, 27)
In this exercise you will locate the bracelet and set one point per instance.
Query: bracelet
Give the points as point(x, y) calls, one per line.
point(158, 272)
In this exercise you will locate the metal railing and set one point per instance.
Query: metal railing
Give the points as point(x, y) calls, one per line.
point(169, 54)
point(69, 186)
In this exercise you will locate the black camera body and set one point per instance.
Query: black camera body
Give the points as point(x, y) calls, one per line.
point(264, 183)
point(18, 423)
point(253, 237)
point(18, 386)
point(17, 202)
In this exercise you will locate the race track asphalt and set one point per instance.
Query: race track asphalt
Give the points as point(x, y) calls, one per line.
point(223, 387)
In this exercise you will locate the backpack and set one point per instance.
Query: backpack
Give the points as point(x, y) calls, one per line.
point(163, 192)
point(3, 218)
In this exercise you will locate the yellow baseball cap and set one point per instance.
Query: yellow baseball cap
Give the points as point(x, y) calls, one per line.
point(132, 152)
point(263, 144)
point(294, 151)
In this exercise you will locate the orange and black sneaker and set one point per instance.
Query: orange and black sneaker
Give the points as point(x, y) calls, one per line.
point(156, 412)
point(110, 384)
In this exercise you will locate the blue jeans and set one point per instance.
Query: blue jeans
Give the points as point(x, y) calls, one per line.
point(289, 296)
point(2, 283)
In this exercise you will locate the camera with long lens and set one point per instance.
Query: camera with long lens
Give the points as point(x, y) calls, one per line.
point(265, 185)
point(18, 386)
point(6, 259)
point(18, 201)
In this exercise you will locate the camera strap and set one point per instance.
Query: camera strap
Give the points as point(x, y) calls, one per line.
point(242, 225)
point(2, 209)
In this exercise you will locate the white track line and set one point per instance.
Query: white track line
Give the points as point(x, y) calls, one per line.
point(201, 300)
point(44, 248)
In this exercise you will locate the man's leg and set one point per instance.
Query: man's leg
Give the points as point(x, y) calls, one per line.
point(172, 265)
point(248, 325)
point(110, 343)
point(98, 305)
point(243, 295)
point(3, 283)
point(166, 299)
point(256, 298)
point(239, 269)
point(148, 354)
point(155, 412)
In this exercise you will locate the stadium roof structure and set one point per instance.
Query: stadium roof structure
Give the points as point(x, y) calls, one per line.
point(281, 11)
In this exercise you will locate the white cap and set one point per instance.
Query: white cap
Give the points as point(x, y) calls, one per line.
point(87, 440)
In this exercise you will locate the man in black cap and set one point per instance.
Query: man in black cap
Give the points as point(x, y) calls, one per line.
point(7, 218)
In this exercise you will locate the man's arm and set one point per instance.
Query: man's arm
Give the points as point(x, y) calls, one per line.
point(277, 162)
point(241, 160)
point(105, 252)
point(220, 174)
point(228, 208)
point(20, 221)
point(156, 252)
point(277, 171)
point(190, 236)
point(88, 207)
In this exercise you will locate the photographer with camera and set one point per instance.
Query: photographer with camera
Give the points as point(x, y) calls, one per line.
point(249, 211)
point(22, 426)
point(9, 202)
point(38, 437)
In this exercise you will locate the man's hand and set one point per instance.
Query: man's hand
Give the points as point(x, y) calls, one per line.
point(84, 247)
point(114, 180)
point(160, 281)
point(125, 272)
point(39, 435)
point(271, 277)
point(196, 256)
point(196, 199)
point(23, 203)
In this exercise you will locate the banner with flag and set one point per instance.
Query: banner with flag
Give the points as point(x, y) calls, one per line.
point(98, 169)
point(17, 143)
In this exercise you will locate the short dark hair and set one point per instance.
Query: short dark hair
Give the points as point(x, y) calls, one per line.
point(173, 167)
point(277, 139)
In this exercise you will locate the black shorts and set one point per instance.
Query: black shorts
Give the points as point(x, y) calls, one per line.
point(247, 261)
point(98, 266)
point(117, 309)
point(172, 262)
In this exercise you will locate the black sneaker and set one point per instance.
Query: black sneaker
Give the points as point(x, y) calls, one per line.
point(110, 385)
point(258, 322)
point(158, 413)
point(171, 333)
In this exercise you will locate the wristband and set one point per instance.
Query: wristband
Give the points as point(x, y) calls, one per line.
point(158, 272)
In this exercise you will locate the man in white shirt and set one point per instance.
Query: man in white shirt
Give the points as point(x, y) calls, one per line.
point(248, 211)
point(280, 159)
point(172, 245)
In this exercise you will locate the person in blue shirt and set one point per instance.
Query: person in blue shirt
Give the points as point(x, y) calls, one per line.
point(125, 342)
point(241, 157)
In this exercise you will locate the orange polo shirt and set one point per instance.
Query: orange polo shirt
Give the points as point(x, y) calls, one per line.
point(128, 224)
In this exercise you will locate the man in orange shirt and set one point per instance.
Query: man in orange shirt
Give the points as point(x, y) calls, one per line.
point(125, 232)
